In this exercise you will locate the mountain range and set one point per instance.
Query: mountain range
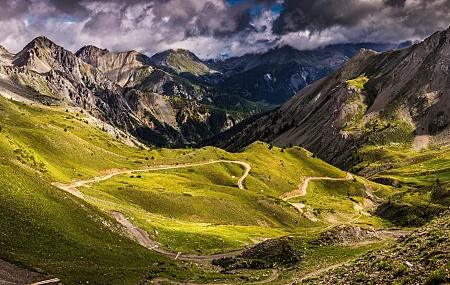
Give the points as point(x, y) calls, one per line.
point(171, 98)
point(394, 97)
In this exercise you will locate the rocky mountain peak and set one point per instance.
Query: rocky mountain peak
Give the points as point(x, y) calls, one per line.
point(90, 53)
point(43, 55)
point(3, 49)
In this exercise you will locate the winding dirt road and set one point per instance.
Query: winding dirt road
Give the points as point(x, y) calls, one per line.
point(303, 187)
point(73, 188)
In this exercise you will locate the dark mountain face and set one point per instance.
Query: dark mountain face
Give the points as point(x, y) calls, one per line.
point(395, 97)
point(276, 76)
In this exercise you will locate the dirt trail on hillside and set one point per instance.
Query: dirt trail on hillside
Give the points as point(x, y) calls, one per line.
point(319, 271)
point(11, 274)
point(143, 239)
point(272, 278)
point(302, 188)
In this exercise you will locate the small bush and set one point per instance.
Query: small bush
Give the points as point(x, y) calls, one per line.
point(437, 277)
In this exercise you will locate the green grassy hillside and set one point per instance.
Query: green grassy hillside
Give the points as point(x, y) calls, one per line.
point(421, 179)
point(194, 209)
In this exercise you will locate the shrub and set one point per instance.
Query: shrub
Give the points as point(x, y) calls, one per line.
point(437, 277)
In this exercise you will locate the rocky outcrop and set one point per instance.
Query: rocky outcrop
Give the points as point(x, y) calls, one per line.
point(345, 235)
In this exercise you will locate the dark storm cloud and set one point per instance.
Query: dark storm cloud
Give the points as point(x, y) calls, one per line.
point(215, 21)
point(422, 17)
point(317, 15)
point(73, 8)
point(215, 26)
point(395, 3)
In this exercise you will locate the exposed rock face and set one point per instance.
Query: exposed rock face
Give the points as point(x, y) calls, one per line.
point(375, 98)
point(90, 54)
point(6, 57)
point(120, 68)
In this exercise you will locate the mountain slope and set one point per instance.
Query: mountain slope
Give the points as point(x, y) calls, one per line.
point(420, 258)
point(373, 99)
point(46, 229)
point(186, 203)
point(119, 67)
point(180, 110)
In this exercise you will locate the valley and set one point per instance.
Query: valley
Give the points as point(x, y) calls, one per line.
point(300, 159)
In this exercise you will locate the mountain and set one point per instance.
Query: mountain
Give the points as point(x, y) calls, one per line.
point(183, 107)
point(123, 89)
point(277, 75)
point(181, 61)
point(187, 64)
point(121, 67)
point(375, 99)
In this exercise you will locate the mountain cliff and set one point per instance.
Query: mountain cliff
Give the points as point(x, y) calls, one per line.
point(395, 97)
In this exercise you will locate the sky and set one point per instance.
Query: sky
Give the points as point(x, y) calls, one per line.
point(213, 27)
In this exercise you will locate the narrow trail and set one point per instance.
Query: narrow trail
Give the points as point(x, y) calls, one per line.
point(50, 281)
point(73, 188)
point(302, 188)
point(140, 235)
point(319, 271)
point(160, 281)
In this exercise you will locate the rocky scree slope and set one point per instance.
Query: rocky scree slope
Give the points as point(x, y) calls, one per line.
point(373, 99)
